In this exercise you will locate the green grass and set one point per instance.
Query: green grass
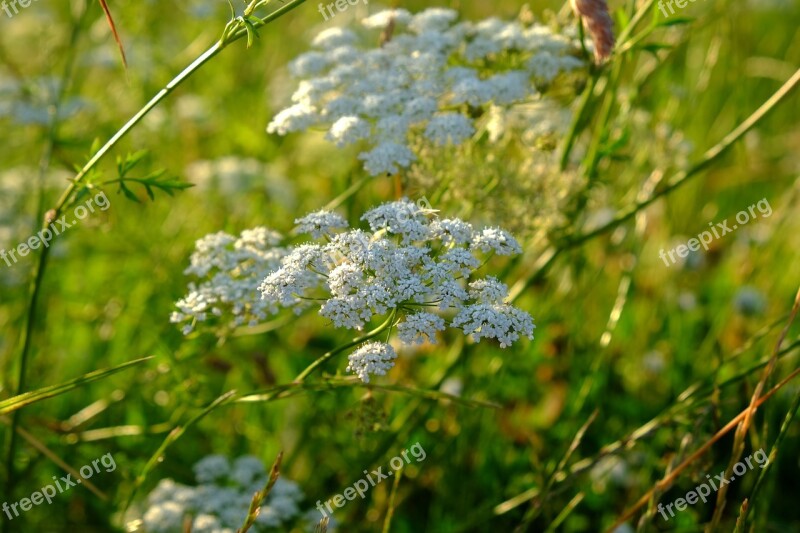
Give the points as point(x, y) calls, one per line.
point(619, 335)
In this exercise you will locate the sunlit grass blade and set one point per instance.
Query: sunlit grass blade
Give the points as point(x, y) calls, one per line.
point(294, 389)
point(260, 497)
point(22, 400)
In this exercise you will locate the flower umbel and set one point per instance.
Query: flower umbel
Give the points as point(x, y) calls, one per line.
point(426, 85)
point(372, 358)
point(231, 267)
point(409, 269)
point(410, 264)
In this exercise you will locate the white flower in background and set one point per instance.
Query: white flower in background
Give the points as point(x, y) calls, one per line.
point(33, 102)
point(211, 468)
point(431, 81)
point(333, 37)
point(348, 130)
point(219, 502)
point(248, 471)
point(409, 264)
point(320, 223)
point(165, 517)
point(233, 176)
point(380, 20)
point(385, 158)
point(449, 128)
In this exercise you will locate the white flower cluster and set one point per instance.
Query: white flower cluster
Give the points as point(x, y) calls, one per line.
point(231, 176)
point(31, 101)
point(231, 268)
point(375, 358)
point(410, 264)
point(426, 82)
point(220, 501)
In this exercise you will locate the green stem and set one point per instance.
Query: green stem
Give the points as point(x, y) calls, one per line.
point(155, 101)
point(773, 454)
point(387, 523)
point(35, 289)
point(603, 123)
point(316, 364)
point(215, 49)
point(578, 120)
point(233, 396)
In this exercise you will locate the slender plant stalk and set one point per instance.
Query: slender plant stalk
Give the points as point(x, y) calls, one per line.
point(593, 157)
point(536, 507)
point(260, 496)
point(44, 165)
point(681, 178)
point(773, 454)
point(667, 481)
point(387, 523)
point(711, 155)
point(744, 426)
point(321, 360)
point(626, 442)
point(577, 121)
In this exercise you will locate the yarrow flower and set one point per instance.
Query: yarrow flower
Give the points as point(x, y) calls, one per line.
point(220, 501)
point(231, 266)
point(408, 268)
point(419, 327)
point(372, 358)
point(320, 223)
point(408, 265)
point(428, 83)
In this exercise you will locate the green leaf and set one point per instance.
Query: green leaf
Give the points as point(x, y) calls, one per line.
point(623, 19)
point(676, 21)
point(28, 398)
point(251, 32)
point(128, 193)
point(653, 48)
point(96, 145)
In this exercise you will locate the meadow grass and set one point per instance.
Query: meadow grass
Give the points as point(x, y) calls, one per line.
point(635, 366)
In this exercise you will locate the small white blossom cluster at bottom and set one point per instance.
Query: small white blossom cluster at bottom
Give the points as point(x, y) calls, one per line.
point(220, 501)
